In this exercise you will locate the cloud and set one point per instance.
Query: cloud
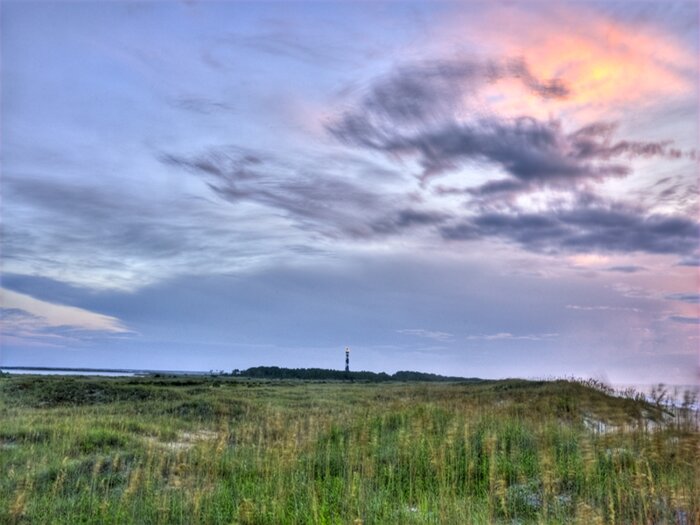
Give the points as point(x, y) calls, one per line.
point(602, 308)
point(692, 298)
point(406, 218)
point(110, 236)
point(634, 292)
point(316, 200)
point(201, 105)
point(431, 111)
point(507, 336)
point(530, 151)
point(423, 91)
point(428, 334)
point(690, 260)
point(342, 206)
point(92, 233)
point(285, 43)
point(606, 227)
point(27, 320)
point(626, 268)
point(444, 115)
point(684, 319)
point(609, 62)
point(56, 315)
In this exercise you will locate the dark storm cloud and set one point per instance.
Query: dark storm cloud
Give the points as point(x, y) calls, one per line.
point(320, 202)
point(613, 228)
point(413, 113)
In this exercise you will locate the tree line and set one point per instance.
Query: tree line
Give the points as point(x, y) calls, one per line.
point(276, 372)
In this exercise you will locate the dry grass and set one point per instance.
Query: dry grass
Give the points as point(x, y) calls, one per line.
point(160, 451)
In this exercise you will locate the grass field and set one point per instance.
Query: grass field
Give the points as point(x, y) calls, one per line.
point(206, 450)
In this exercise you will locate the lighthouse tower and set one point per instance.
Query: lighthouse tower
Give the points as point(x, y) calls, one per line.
point(347, 359)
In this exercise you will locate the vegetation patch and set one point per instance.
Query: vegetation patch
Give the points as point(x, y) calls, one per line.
point(48, 392)
point(25, 435)
point(101, 439)
point(206, 409)
point(147, 450)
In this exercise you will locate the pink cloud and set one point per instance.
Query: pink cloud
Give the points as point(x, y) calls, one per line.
point(610, 66)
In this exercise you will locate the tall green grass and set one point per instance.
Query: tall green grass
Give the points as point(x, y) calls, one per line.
point(144, 450)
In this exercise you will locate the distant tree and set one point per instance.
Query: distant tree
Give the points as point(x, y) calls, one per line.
point(275, 372)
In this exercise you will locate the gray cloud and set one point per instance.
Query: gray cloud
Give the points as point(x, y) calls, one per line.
point(626, 268)
point(684, 319)
point(601, 308)
point(611, 227)
point(418, 112)
point(690, 260)
point(427, 334)
point(17, 315)
point(117, 237)
point(406, 218)
point(693, 297)
point(99, 218)
point(414, 112)
point(201, 105)
point(292, 38)
point(507, 336)
point(321, 202)
point(422, 92)
point(530, 151)
point(285, 44)
point(337, 205)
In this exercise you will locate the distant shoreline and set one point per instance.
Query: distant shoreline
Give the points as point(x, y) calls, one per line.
point(115, 371)
point(260, 372)
point(618, 387)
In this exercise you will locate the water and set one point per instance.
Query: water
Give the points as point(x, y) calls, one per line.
point(65, 372)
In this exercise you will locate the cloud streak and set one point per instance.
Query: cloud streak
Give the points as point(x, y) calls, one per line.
point(333, 205)
point(507, 336)
point(26, 320)
point(683, 319)
point(583, 228)
point(602, 308)
point(691, 298)
point(427, 334)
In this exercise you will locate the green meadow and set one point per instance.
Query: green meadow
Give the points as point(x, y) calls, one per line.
point(195, 450)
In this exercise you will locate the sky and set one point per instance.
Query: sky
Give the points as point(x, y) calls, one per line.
point(484, 189)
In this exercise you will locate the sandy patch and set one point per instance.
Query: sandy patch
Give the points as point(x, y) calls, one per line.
point(185, 440)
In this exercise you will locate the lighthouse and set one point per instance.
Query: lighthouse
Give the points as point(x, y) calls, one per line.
point(347, 359)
